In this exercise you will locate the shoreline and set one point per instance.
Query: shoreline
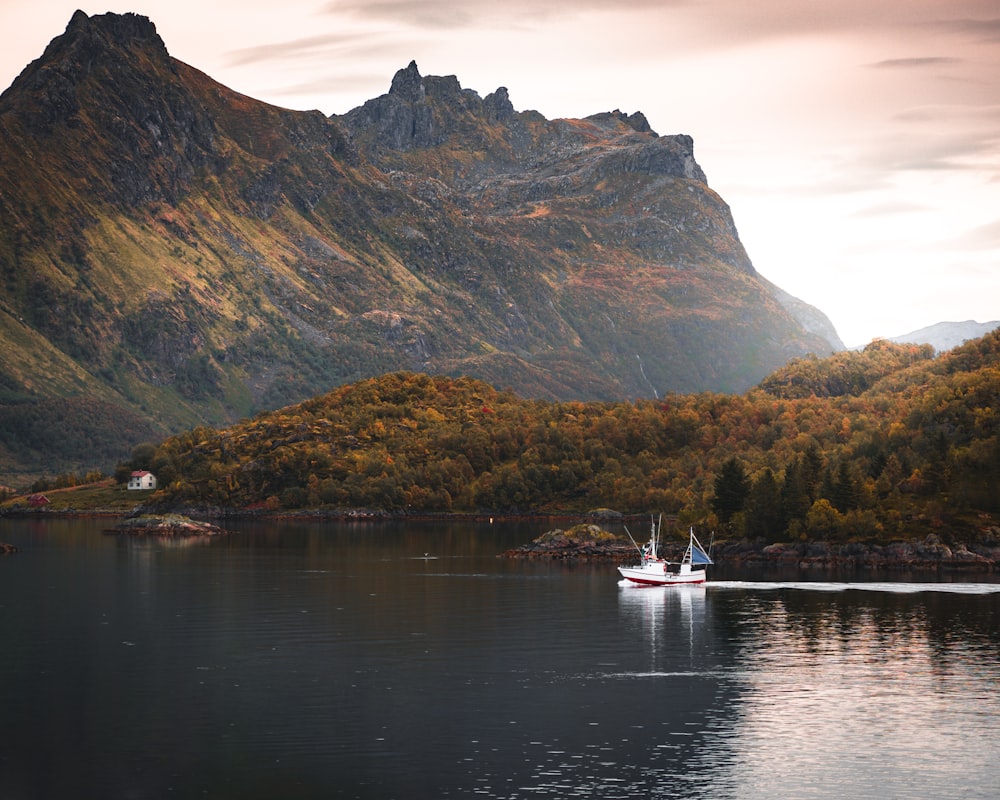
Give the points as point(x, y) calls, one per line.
point(319, 515)
point(927, 554)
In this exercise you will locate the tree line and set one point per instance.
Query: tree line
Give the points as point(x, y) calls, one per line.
point(864, 445)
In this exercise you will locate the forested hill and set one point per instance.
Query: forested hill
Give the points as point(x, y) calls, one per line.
point(867, 445)
point(182, 254)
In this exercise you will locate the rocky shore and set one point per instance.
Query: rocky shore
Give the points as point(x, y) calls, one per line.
point(929, 554)
point(590, 543)
point(165, 525)
point(579, 543)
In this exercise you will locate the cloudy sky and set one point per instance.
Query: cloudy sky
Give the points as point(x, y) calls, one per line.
point(857, 142)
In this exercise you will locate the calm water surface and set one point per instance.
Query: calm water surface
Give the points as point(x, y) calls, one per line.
point(407, 661)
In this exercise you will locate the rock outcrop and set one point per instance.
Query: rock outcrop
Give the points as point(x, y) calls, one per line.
point(579, 543)
point(166, 525)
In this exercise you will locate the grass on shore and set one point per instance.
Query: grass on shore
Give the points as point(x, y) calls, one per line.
point(103, 496)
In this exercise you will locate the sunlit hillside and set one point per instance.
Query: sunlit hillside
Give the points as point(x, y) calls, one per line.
point(860, 445)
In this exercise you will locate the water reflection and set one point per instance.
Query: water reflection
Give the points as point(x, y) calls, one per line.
point(314, 661)
point(669, 621)
point(862, 695)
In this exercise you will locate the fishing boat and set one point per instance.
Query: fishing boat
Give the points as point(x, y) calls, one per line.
point(655, 571)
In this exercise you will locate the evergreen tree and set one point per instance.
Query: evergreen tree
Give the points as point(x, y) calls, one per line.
point(731, 490)
point(763, 508)
point(844, 491)
point(936, 470)
point(795, 500)
point(812, 472)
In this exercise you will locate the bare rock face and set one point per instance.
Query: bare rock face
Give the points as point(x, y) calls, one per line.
point(143, 130)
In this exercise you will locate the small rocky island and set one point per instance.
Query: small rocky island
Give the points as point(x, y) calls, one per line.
point(165, 525)
point(580, 543)
point(6, 549)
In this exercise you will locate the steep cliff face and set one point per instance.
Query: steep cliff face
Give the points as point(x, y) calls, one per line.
point(194, 255)
point(640, 261)
point(88, 99)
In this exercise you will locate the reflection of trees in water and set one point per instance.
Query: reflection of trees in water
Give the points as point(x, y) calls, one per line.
point(843, 684)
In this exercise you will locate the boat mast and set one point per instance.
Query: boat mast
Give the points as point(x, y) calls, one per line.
point(633, 540)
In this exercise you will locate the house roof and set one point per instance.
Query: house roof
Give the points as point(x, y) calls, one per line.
point(140, 473)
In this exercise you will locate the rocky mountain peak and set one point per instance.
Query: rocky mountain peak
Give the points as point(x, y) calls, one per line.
point(407, 84)
point(636, 121)
point(426, 112)
point(422, 112)
point(92, 42)
point(104, 44)
point(498, 106)
point(120, 28)
point(109, 92)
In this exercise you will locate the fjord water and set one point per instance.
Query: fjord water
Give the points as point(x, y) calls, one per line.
point(397, 660)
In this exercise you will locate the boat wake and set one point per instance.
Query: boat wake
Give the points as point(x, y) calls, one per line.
point(863, 586)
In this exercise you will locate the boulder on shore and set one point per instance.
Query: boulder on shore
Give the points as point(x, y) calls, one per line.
point(166, 525)
point(580, 543)
point(928, 554)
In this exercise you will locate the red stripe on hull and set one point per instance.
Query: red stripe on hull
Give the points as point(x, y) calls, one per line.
point(662, 583)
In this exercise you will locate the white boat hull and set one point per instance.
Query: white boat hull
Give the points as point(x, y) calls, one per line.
point(655, 573)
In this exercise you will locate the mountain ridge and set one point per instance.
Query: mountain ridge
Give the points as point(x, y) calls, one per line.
point(947, 334)
point(192, 255)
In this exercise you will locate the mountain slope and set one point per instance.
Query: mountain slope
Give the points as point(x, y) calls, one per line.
point(192, 255)
point(946, 335)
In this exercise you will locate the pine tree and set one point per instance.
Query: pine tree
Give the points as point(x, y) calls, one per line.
point(763, 508)
point(731, 490)
point(795, 501)
point(844, 491)
point(812, 472)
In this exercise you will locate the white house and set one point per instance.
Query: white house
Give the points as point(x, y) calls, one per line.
point(141, 479)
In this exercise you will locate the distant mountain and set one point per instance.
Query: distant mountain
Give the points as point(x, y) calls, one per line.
point(947, 335)
point(180, 254)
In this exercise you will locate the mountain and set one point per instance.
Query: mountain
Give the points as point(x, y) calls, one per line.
point(176, 254)
point(947, 335)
